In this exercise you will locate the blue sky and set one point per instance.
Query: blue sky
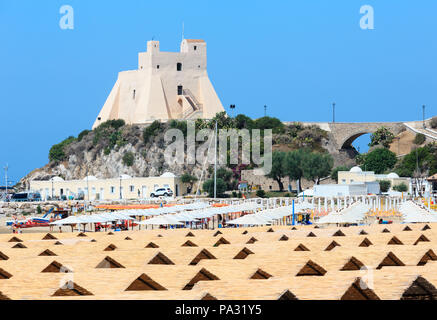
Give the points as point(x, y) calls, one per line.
point(296, 57)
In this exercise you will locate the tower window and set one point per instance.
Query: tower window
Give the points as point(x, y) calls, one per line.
point(157, 67)
point(180, 90)
point(179, 66)
point(195, 48)
point(134, 94)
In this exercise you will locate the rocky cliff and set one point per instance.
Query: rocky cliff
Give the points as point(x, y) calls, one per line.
point(115, 149)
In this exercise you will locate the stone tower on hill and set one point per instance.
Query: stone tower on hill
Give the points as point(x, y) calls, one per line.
point(167, 85)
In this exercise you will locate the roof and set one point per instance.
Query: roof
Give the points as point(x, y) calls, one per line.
point(194, 40)
point(433, 177)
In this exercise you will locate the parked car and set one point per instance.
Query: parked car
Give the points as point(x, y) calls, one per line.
point(162, 192)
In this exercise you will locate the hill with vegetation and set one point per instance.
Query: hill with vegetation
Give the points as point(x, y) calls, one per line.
point(115, 148)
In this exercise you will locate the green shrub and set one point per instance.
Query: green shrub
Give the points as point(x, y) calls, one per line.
point(38, 209)
point(116, 124)
point(260, 193)
point(419, 139)
point(57, 152)
point(107, 151)
point(180, 125)
point(382, 136)
point(83, 134)
point(402, 187)
point(434, 122)
point(128, 159)
point(151, 130)
point(384, 185)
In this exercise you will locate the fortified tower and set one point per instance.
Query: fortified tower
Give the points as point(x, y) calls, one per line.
point(166, 85)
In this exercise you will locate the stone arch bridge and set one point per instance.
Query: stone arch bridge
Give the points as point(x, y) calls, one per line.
point(343, 134)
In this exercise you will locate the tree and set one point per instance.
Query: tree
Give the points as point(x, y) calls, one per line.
point(190, 179)
point(381, 136)
point(402, 187)
point(419, 139)
point(422, 159)
point(243, 122)
point(277, 172)
point(316, 166)
point(384, 185)
point(334, 173)
point(223, 121)
point(379, 160)
point(208, 186)
point(293, 165)
point(269, 123)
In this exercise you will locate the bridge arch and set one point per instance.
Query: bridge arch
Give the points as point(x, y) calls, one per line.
point(345, 134)
point(347, 144)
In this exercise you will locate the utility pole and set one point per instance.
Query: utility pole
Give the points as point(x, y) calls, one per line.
point(265, 111)
point(423, 116)
point(215, 162)
point(333, 112)
point(87, 189)
point(6, 178)
point(121, 196)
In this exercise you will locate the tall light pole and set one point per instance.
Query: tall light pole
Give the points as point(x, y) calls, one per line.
point(121, 196)
point(232, 107)
point(333, 112)
point(215, 162)
point(87, 189)
point(6, 178)
point(423, 116)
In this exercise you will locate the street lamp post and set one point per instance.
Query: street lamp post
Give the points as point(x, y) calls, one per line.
point(232, 107)
point(333, 112)
point(215, 162)
point(423, 116)
point(265, 111)
point(121, 196)
point(6, 179)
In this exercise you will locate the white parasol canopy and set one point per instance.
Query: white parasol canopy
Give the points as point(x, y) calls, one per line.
point(161, 220)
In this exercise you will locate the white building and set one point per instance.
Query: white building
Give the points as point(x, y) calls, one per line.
point(343, 190)
point(166, 85)
point(124, 187)
point(356, 175)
